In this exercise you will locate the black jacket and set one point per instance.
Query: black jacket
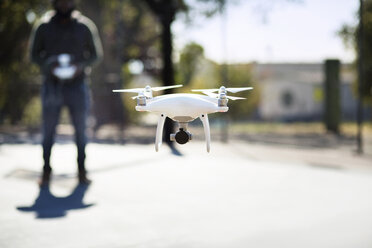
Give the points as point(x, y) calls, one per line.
point(78, 37)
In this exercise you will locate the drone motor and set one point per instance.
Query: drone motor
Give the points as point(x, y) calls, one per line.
point(141, 99)
point(222, 100)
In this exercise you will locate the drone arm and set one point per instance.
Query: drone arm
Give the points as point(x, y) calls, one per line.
point(159, 132)
point(207, 131)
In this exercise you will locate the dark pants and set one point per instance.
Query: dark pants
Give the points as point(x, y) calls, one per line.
point(76, 97)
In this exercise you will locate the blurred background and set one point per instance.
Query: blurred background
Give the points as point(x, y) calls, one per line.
point(290, 166)
point(278, 47)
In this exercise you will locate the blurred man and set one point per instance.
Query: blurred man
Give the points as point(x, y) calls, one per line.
point(64, 45)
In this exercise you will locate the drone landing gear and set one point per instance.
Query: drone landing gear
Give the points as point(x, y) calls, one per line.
point(159, 131)
point(207, 132)
point(182, 136)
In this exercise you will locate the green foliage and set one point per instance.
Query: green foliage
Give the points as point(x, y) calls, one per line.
point(129, 31)
point(129, 104)
point(190, 57)
point(207, 8)
point(17, 75)
point(350, 36)
point(240, 75)
point(32, 113)
point(18, 85)
point(347, 35)
point(204, 73)
point(367, 50)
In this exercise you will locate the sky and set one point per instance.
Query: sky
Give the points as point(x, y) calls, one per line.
point(288, 32)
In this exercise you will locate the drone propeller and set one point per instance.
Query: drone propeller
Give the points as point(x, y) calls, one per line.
point(232, 90)
point(148, 88)
point(135, 90)
point(222, 92)
point(214, 95)
point(166, 87)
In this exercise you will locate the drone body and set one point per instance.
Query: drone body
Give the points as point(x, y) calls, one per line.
point(183, 108)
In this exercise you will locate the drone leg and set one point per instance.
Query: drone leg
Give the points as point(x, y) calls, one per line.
point(159, 132)
point(207, 131)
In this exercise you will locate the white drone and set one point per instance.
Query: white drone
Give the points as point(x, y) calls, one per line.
point(183, 108)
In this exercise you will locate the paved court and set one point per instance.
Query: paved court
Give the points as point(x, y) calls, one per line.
point(239, 195)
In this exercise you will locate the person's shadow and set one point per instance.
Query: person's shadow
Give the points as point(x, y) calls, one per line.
point(47, 205)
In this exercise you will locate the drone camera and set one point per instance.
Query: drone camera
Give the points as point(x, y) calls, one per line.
point(181, 137)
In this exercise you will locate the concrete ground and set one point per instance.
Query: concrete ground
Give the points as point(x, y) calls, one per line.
point(240, 195)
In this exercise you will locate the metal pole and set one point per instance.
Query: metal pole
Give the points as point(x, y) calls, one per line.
point(332, 102)
point(224, 70)
point(360, 80)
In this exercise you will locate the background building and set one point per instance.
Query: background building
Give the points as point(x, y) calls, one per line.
point(294, 92)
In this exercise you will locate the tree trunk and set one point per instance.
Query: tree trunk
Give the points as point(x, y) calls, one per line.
point(168, 72)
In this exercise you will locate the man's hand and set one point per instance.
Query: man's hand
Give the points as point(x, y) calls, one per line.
point(79, 69)
point(50, 64)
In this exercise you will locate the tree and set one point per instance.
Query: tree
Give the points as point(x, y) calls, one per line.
point(166, 11)
point(199, 72)
point(190, 58)
point(128, 32)
point(350, 35)
point(17, 75)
